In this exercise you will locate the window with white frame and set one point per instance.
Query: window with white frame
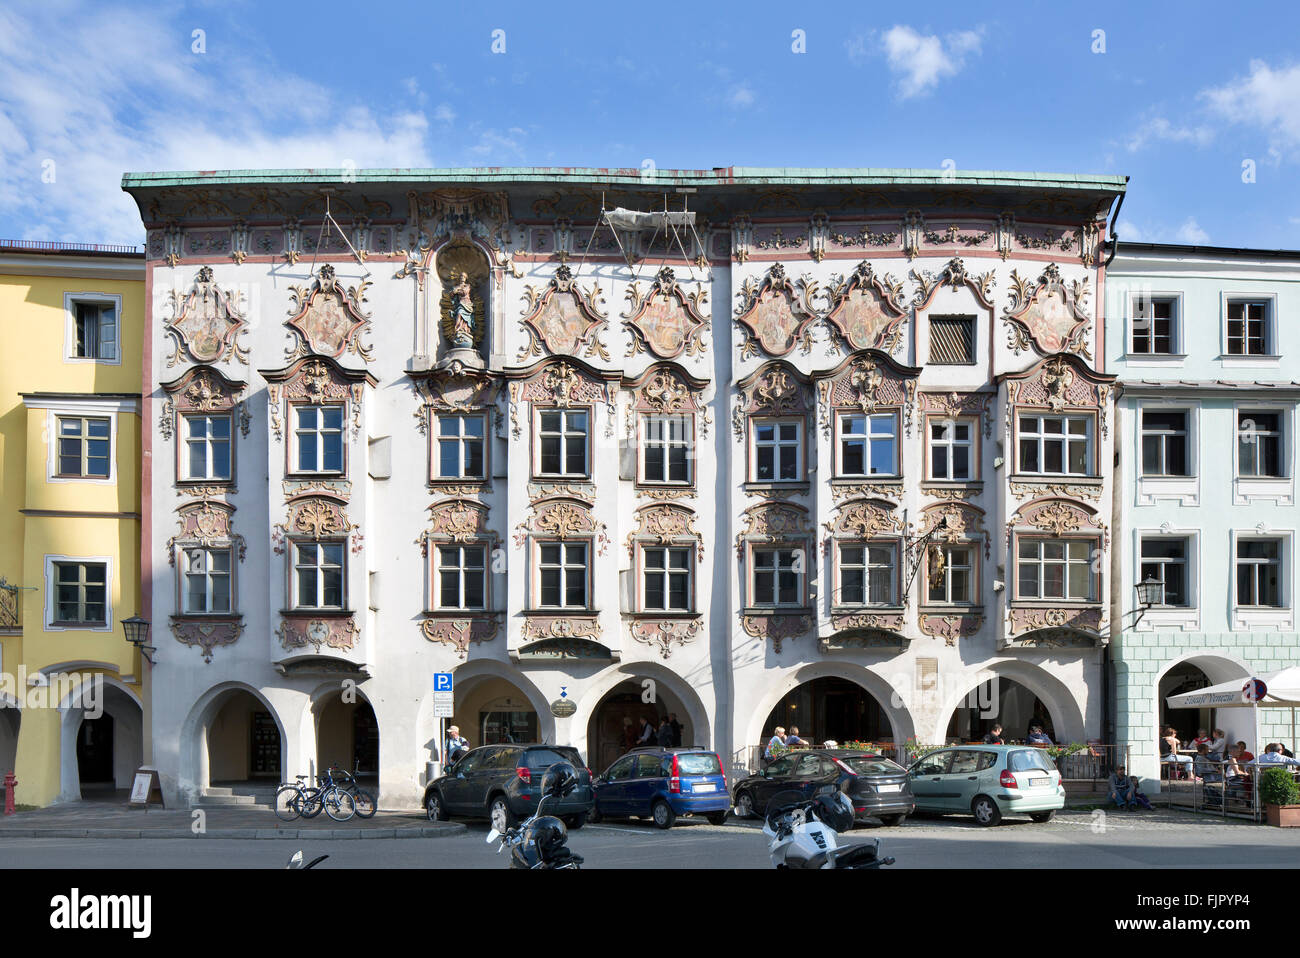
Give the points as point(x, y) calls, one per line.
point(1164, 442)
point(318, 438)
point(1056, 569)
point(951, 575)
point(1165, 559)
point(666, 449)
point(85, 447)
point(1259, 573)
point(94, 329)
point(952, 446)
point(1056, 445)
point(1155, 325)
point(80, 593)
point(1248, 328)
point(1260, 443)
point(206, 440)
point(562, 436)
point(461, 576)
point(777, 450)
point(460, 446)
point(666, 579)
point(868, 574)
point(868, 444)
point(206, 585)
point(563, 575)
point(318, 571)
point(777, 577)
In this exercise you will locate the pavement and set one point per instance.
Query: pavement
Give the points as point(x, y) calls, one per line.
point(113, 820)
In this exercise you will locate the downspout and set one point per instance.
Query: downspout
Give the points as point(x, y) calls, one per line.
point(1111, 236)
point(1109, 705)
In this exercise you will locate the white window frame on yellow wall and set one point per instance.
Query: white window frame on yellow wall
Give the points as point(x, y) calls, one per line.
point(97, 407)
point(70, 301)
point(51, 593)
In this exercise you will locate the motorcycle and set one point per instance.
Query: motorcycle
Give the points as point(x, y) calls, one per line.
point(296, 863)
point(538, 842)
point(803, 832)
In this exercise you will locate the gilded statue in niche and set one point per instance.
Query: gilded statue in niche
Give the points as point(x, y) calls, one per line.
point(462, 269)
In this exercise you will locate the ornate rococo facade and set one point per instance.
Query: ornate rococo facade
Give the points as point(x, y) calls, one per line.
point(448, 455)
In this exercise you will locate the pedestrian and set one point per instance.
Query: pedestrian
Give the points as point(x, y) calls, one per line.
point(994, 737)
point(677, 729)
point(455, 744)
point(629, 733)
point(665, 734)
point(776, 744)
point(647, 734)
point(1121, 789)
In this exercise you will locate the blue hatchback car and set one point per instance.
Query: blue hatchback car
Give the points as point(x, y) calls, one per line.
point(661, 784)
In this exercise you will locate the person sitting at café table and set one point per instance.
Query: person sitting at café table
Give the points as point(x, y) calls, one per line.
point(793, 739)
point(1169, 750)
point(1121, 788)
point(1273, 755)
point(1205, 768)
point(994, 737)
point(1202, 738)
point(1218, 745)
point(1285, 751)
point(1244, 754)
point(1037, 736)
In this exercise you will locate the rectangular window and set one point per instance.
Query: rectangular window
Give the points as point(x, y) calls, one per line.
point(318, 433)
point(951, 575)
point(1259, 573)
point(777, 577)
point(1056, 569)
point(207, 581)
point(96, 331)
point(1056, 445)
point(952, 340)
point(667, 575)
point(1248, 328)
point(868, 574)
point(1154, 326)
point(460, 447)
point(1165, 560)
point(868, 445)
point(84, 446)
point(461, 577)
point(206, 453)
point(1259, 444)
point(1164, 443)
point(666, 449)
point(778, 451)
point(318, 569)
point(562, 436)
point(951, 449)
point(563, 575)
point(80, 593)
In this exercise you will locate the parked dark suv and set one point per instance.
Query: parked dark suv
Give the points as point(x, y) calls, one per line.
point(878, 787)
point(502, 783)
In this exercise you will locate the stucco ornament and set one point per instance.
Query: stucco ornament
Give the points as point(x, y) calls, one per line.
point(667, 320)
point(206, 323)
point(328, 319)
point(460, 633)
point(774, 315)
point(866, 310)
point(562, 319)
point(1049, 314)
point(663, 634)
point(206, 635)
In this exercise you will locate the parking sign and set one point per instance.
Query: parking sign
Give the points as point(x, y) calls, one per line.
point(442, 682)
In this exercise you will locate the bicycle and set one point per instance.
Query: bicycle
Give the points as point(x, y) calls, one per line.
point(295, 799)
point(365, 802)
point(335, 800)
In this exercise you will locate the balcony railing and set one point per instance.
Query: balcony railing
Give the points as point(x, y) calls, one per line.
point(47, 246)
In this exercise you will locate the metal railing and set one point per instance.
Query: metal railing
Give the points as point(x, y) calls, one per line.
point(1214, 788)
point(52, 246)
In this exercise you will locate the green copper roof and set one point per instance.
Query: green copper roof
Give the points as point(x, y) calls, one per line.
point(719, 176)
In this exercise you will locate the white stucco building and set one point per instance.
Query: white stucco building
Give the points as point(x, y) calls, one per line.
point(836, 452)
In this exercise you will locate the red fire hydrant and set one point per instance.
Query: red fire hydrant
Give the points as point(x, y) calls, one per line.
point(10, 784)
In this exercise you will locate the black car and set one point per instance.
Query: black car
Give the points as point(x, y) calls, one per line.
point(877, 786)
point(502, 783)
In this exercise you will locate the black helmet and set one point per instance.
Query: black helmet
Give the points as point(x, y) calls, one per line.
point(547, 834)
point(560, 779)
point(830, 810)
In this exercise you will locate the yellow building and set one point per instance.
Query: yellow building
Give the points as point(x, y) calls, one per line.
point(71, 327)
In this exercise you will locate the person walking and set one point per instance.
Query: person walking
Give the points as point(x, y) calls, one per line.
point(647, 734)
point(677, 729)
point(665, 734)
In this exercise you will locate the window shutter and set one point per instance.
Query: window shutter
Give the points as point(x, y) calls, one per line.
point(952, 339)
point(627, 460)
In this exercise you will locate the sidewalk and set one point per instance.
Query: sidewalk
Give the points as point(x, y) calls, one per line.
point(99, 819)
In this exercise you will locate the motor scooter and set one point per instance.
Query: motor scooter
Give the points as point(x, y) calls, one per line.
point(803, 832)
point(539, 841)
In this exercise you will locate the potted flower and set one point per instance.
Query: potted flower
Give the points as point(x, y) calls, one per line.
point(1281, 798)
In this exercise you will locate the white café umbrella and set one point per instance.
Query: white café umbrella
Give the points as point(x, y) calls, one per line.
point(1283, 691)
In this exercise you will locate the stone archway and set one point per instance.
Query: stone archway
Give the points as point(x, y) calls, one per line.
point(1197, 671)
point(221, 734)
point(1032, 693)
point(101, 739)
point(346, 733)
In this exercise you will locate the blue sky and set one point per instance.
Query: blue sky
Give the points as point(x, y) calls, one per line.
point(1182, 96)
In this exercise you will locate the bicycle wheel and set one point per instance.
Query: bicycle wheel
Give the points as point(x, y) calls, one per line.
point(339, 805)
point(288, 803)
point(365, 803)
point(312, 802)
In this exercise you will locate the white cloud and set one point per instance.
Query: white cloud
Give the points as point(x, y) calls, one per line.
point(154, 105)
point(741, 96)
point(1191, 232)
point(920, 61)
point(1267, 98)
point(1159, 129)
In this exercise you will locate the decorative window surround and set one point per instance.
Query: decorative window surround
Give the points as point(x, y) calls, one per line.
point(1273, 357)
point(91, 406)
point(110, 623)
point(1249, 618)
point(1247, 490)
point(1166, 618)
point(1186, 490)
point(70, 301)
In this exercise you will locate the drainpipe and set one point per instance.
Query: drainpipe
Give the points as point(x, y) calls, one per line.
point(1109, 705)
point(1110, 228)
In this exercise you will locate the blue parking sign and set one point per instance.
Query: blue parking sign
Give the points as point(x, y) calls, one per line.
point(442, 682)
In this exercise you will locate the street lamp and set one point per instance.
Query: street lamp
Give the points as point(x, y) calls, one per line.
point(137, 633)
point(1150, 591)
